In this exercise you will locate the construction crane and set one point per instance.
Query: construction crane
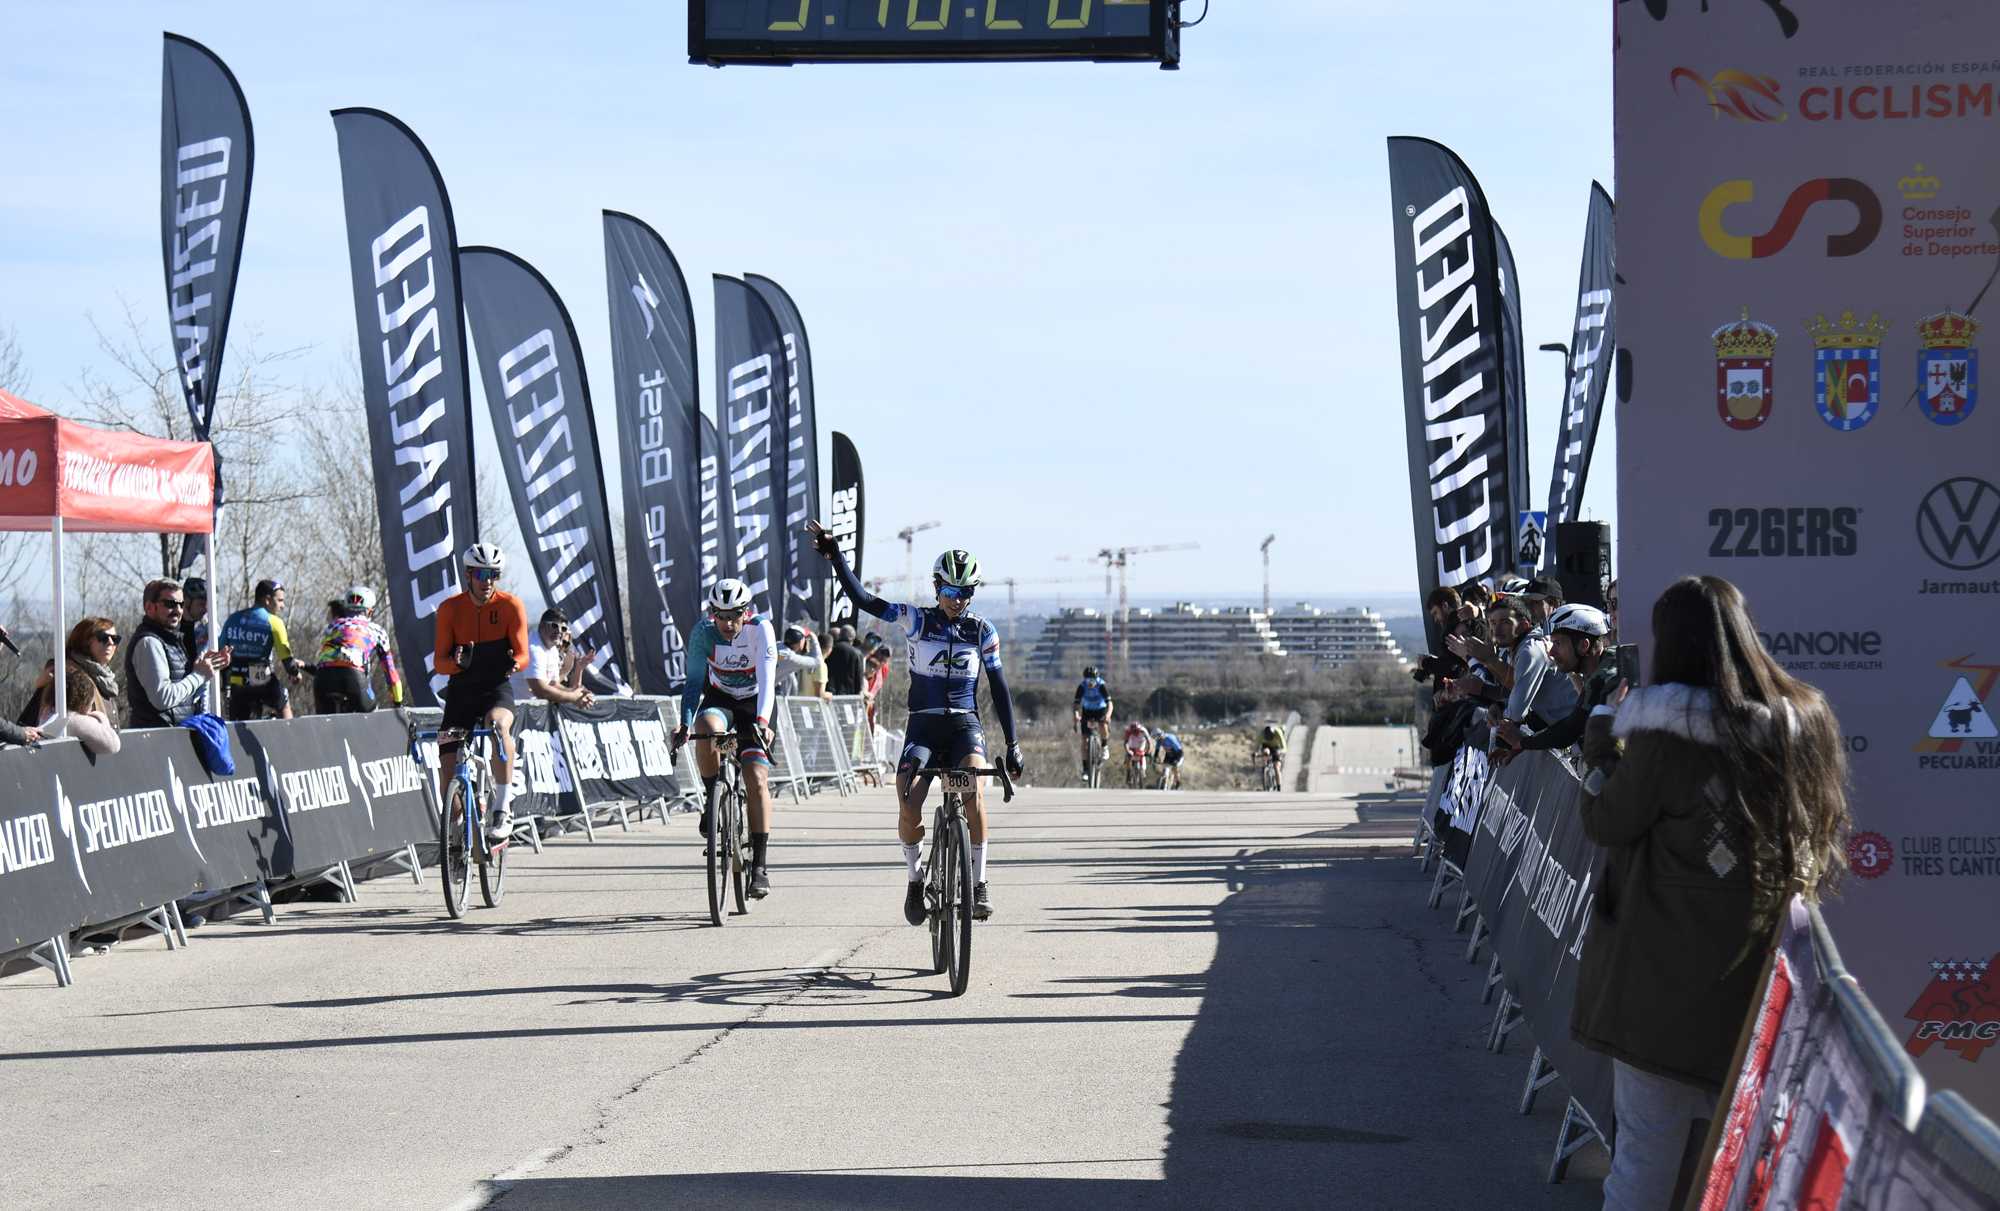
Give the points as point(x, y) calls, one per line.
point(1265, 549)
point(1120, 557)
point(1109, 560)
point(1012, 581)
point(909, 536)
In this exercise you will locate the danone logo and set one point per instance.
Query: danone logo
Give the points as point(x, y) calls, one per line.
point(1721, 241)
point(1738, 95)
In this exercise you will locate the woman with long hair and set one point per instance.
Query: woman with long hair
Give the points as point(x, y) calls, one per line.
point(1730, 793)
point(91, 684)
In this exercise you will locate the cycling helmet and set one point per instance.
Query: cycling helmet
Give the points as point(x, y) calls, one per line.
point(1583, 619)
point(359, 597)
point(1090, 670)
point(1512, 586)
point(728, 596)
point(484, 555)
point(956, 568)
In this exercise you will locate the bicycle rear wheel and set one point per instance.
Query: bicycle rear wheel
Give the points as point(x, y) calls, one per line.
point(739, 844)
point(717, 853)
point(454, 860)
point(958, 924)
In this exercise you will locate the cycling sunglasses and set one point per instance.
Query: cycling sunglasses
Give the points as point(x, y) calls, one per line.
point(951, 592)
point(483, 575)
point(730, 615)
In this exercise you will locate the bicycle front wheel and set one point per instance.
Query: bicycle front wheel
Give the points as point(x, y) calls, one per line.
point(454, 856)
point(717, 852)
point(493, 872)
point(958, 921)
point(739, 846)
point(938, 885)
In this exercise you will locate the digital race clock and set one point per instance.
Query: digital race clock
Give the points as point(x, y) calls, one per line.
point(825, 31)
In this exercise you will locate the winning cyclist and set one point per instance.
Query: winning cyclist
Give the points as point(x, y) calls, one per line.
point(1093, 709)
point(947, 646)
point(351, 642)
point(262, 649)
point(740, 654)
point(1271, 746)
point(482, 637)
point(1168, 752)
point(1137, 742)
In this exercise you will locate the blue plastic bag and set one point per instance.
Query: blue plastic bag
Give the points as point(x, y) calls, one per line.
point(211, 741)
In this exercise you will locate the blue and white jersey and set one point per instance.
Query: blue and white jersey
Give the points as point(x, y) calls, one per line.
point(945, 657)
point(1092, 694)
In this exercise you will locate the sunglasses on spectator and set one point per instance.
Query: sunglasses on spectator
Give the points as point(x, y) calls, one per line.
point(171, 603)
point(106, 637)
point(483, 575)
point(951, 592)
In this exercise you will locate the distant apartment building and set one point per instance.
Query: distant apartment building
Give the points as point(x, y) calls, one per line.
point(1334, 636)
point(1076, 637)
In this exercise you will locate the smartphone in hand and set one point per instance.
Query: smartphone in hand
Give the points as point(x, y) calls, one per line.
point(1628, 663)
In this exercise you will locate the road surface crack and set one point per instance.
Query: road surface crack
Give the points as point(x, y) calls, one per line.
point(501, 1184)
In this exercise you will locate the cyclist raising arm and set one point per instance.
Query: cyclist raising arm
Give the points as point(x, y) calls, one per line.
point(740, 658)
point(482, 637)
point(947, 646)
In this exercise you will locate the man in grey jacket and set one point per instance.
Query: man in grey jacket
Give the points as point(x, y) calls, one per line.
point(164, 680)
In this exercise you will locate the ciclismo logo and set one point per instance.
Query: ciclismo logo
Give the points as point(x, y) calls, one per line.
point(1792, 532)
point(1959, 1007)
point(1746, 96)
point(1716, 234)
point(1740, 95)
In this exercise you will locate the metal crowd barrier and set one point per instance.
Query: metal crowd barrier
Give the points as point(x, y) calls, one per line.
point(850, 713)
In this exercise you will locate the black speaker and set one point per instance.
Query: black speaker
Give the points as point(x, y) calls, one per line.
point(1583, 562)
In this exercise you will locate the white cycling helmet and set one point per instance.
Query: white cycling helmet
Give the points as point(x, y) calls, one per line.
point(956, 568)
point(360, 597)
point(484, 555)
point(1583, 619)
point(728, 596)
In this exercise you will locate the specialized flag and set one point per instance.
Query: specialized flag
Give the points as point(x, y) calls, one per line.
point(805, 574)
point(1526, 557)
point(403, 252)
point(846, 514)
point(718, 525)
point(1463, 494)
point(659, 442)
point(1590, 350)
point(539, 398)
point(207, 150)
point(751, 416)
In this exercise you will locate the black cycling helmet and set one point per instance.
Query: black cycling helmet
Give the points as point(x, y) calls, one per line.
point(1090, 670)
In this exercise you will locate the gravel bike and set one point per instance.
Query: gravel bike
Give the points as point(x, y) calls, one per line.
point(1268, 775)
point(1135, 770)
point(948, 873)
point(462, 843)
point(726, 852)
point(1093, 761)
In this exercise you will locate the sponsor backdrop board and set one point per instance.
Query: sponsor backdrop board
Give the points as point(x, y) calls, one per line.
point(1804, 250)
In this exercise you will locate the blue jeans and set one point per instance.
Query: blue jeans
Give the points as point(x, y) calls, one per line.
point(1656, 1115)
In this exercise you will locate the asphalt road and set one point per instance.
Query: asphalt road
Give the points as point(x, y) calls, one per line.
point(1183, 1000)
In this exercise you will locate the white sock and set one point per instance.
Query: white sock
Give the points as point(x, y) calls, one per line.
point(501, 794)
point(979, 863)
point(913, 857)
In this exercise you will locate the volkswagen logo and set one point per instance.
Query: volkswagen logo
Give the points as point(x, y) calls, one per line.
point(1959, 523)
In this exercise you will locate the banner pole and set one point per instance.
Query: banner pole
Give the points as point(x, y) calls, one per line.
point(58, 646)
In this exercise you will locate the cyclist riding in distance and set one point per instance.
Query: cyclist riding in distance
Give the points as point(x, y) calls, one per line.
point(1271, 746)
point(482, 637)
point(1137, 742)
point(740, 656)
point(1168, 752)
point(947, 647)
point(262, 649)
point(1093, 709)
point(352, 642)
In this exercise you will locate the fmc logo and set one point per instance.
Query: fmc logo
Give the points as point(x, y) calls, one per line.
point(1958, 523)
point(1867, 218)
point(1735, 94)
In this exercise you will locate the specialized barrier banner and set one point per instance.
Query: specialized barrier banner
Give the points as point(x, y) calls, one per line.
point(752, 419)
point(1590, 350)
point(805, 572)
point(539, 398)
point(1806, 254)
point(1533, 874)
point(1463, 497)
point(568, 757)
point(402, 251)
point(86, 839)
point(659, 442)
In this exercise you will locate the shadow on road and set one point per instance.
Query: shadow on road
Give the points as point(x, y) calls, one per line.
point(1336, 1060)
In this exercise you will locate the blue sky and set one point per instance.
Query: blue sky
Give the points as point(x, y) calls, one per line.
point(1058, 306)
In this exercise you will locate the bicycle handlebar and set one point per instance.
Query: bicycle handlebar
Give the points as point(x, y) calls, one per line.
point(991, 771)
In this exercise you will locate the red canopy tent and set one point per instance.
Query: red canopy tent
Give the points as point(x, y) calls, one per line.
point(58, 475)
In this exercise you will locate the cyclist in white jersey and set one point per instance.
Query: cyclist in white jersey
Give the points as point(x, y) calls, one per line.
point(732, 665)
